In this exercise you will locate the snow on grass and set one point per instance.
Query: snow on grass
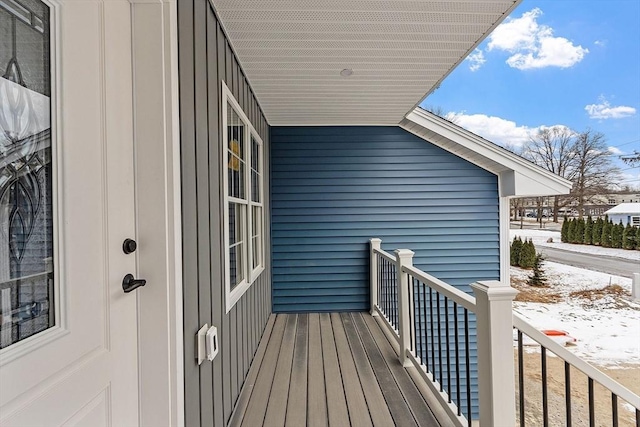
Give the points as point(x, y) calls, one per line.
point(540, 238)
point(606, 325)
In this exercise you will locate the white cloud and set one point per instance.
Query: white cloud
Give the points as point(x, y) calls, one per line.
point(476, 58)
point(533, 45)
point(615, 151)
point(604, 110)
point(600, 43)
point(496, 129)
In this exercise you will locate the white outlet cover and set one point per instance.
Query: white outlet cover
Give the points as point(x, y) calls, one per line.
point(201, 346)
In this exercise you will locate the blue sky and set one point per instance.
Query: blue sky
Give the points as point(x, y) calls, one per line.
point(572, 63)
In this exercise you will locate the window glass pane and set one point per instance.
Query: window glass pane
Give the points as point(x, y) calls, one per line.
point(236, 243)
point(256, 238)
point(26, 196)
point(255, 170)
point(236, 153)
point(255, 153)
point(255, 186)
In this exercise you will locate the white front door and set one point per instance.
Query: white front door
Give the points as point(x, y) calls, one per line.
point(68, 331)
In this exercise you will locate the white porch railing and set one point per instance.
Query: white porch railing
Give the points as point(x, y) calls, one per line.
point(617, 391)
point(432, 324)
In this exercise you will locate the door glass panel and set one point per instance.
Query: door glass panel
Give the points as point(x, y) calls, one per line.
point(26, 196)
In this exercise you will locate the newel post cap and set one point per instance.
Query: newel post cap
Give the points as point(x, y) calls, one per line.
point(404, 253)
point(494, 290)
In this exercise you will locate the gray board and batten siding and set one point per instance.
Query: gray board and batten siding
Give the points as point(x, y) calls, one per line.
point(205, 59)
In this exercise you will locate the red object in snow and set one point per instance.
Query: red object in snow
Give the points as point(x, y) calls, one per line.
point(562, 337)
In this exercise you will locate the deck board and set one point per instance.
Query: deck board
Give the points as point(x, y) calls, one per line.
point(297, 403)
point(337, 410)
point(257, 404)
point(277, 406)
point(331, 369)
point(358, 411)
point(317, 398)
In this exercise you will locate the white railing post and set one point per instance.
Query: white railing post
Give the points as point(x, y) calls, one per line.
point(404, 257)
point(495, 353)
point(373, 268)
point(635, 286)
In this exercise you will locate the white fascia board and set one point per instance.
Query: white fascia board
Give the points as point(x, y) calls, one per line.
point(519, 176)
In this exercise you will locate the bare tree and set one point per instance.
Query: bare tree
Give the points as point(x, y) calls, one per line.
point(554, 149)
point(594, 171)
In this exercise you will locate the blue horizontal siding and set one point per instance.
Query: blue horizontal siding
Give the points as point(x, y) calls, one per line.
point(333, 188)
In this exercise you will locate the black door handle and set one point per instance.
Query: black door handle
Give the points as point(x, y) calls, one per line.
point(129, 283)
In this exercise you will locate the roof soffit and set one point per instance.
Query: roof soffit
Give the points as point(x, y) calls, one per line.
point(292, 52)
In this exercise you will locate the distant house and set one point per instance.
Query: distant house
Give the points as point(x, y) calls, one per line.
point(628, 213)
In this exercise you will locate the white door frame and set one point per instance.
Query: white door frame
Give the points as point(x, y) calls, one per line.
point(158, 211)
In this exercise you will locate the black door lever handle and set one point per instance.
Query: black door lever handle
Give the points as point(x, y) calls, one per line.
point(129, 283)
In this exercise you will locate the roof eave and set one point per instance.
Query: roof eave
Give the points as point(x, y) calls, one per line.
point(518, 176)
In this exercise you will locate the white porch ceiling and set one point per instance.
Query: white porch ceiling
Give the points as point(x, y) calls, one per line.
point(292, 52)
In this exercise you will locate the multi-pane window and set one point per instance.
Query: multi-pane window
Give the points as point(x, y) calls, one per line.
point(244, 210)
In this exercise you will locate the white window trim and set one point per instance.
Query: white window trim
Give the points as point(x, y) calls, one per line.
point(255, 272)
point(232, 296)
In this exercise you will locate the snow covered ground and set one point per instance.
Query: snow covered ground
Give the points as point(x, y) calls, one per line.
point(606, 325)
point(540, 238)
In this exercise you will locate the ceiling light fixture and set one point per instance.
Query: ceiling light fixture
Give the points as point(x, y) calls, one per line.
point(346, 72)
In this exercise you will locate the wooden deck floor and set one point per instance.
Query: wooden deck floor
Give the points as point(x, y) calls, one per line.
point(324, 369)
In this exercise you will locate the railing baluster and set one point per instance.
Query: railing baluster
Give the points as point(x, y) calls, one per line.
point(412, 344)
point(418, 309)
point(467, 364)
point(426, 329)
point(446, 325)
point(457, 347)
point(380, 301)
point(521, 377)
point(383, 302)
point(614, 410)
point(383, 298)
point(393, 301)
point(592, 408)
point(389, 297)
point(440, 374)
point(433, 336)
point(387, 289)
point(545, 406)
point(394, 296)
point(567, 391)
